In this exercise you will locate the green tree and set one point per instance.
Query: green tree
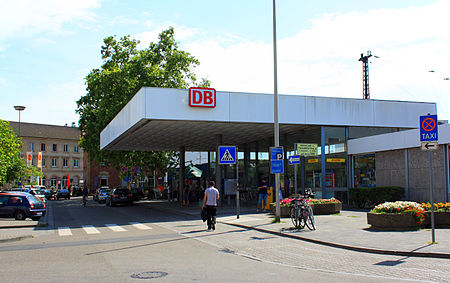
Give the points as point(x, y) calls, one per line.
point(12, 166)
point(124, 71)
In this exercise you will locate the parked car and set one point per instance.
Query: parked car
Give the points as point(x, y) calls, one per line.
point(38, 192)
point(31, 190)
point(21, 205)
point(76, 191)
point(95, 197)
point(102, 195)
point(48, 194)
point(116, 196)
point(62, 193)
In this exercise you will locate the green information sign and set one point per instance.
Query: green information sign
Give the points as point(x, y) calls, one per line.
point(307, 149)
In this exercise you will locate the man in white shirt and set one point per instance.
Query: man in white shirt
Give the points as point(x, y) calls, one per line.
point(210, 204)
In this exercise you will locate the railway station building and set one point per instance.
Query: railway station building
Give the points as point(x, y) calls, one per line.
point(360, 142)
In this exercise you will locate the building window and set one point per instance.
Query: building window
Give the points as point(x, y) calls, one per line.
point(42, 146)
point(75, 163)
point(31, 146)
point(75, 149)
point(43, 162)
point(55, 147)
point(53, 182)
point(65, 162)
point(66, 148)
point(365, 171)
point(54, 163)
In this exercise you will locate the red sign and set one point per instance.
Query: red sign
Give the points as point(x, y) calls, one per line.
point(202, 97)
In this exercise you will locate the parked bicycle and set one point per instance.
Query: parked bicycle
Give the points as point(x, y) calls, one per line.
point(301, 212)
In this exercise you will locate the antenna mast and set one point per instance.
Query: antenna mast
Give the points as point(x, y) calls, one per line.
point(365, 69)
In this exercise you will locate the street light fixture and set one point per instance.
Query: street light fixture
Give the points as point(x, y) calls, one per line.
point(19, 108)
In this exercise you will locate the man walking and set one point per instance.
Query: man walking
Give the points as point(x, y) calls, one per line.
point(210, 204)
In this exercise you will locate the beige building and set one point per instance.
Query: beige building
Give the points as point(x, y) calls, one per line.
point(62, 158)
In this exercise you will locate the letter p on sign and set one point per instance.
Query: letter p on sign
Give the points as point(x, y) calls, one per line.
point(202, 97)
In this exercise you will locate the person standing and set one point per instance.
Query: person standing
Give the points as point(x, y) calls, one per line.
point(210, 204)
point(262, 197)
point(85, 195)
point(186, 193)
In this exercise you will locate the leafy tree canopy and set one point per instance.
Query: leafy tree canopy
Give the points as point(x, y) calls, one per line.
point(124, 71)
point(12, 165)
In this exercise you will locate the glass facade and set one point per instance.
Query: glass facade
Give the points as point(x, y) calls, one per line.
point(364, 171)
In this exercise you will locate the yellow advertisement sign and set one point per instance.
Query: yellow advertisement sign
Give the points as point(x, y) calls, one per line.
point(336, 160)
point(314, 160)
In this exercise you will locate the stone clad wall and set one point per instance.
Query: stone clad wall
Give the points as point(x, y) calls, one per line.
point(390, 171)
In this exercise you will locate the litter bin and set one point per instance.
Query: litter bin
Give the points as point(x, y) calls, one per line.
point(269, 198)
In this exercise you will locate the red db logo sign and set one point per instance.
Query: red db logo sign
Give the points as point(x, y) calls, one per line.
point(202, 97)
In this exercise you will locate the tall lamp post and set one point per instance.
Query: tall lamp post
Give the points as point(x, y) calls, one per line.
point(19, 108)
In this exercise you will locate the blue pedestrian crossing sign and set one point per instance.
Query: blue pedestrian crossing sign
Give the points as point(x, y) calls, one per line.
point(227, 154)
point(428, 128)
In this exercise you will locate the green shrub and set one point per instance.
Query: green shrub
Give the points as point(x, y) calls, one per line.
point(369, 197)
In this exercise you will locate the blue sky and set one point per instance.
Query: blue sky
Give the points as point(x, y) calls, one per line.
point(48, 47)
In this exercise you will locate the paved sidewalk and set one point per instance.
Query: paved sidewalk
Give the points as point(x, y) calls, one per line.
point(348, 230)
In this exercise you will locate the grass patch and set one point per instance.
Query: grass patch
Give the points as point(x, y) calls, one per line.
point(275, 220)
point(432, 243)
point(353, 216)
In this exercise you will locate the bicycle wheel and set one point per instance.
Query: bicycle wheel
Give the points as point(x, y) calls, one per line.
point(296, 218)
point(309, 218)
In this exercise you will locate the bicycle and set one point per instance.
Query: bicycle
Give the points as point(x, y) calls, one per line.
point(301, 213)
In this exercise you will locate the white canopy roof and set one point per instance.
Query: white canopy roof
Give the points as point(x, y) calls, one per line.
point(161, 119)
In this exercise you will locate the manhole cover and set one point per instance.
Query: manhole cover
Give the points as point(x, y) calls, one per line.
point(149, 275)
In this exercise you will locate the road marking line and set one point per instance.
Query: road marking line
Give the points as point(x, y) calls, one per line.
point(89, 229)
point(64, 231)
point(115, 227)
point(140, 226)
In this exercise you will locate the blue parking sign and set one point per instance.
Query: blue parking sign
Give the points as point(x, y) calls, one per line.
point(276, 160)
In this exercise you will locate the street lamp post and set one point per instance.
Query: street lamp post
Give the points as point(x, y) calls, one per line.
point(19, 108)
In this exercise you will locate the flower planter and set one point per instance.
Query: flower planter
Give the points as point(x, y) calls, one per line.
point(284, 210)
point(326, 208)
point(393, 221)
point(441, 219)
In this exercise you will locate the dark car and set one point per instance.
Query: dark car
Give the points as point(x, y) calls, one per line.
point(76, 191)
point(62, 193)
point(48, 194)
point(21, 206)
point(116, 196)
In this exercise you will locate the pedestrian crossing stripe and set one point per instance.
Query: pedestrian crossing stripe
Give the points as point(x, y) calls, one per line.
point(140, 226)
point(115, 228)
point(227, 156)
point(64, 231)
point(90, 229)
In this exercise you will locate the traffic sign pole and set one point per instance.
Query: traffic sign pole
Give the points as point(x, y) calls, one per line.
point(237, 189)
point(429, 138)
point(433, 235)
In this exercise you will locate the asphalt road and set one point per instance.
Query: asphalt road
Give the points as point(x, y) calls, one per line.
point(117, 244)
